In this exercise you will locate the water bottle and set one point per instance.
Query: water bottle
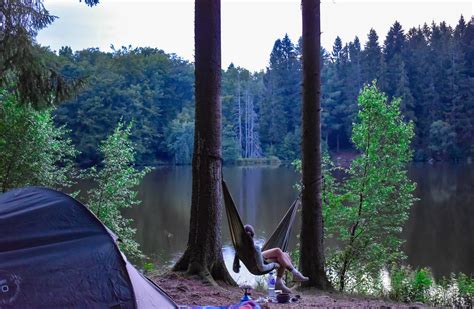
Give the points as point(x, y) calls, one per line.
point(271, 285)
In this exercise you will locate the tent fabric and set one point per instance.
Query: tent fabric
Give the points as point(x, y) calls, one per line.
point(245, 249)
point(54, 253)
point(146, 291)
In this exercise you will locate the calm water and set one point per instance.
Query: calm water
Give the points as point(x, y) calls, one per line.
point(439, 233)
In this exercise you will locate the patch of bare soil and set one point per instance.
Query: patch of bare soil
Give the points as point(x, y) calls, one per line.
point(195, 292)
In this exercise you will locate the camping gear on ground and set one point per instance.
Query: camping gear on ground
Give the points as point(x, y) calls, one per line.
point(271, 285)
point(54, 253)
point(283, 298)
point(246, 297)
point(245, 250)
point(295, 298)
point(250, 304)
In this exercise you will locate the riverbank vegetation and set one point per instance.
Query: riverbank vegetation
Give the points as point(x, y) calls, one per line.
point(115, 186)
point(366, 207)
point(367, 210)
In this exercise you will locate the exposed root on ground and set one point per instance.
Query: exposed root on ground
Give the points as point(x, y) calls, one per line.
point(217, 276)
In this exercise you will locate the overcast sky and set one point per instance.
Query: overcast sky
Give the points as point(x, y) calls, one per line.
point(249, 28)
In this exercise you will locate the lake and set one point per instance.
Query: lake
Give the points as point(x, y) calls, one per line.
point(439, 233)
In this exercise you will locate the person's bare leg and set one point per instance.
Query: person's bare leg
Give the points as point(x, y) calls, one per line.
point(297, 276)
point(284, 260)
point(280, 272)
point(287, 259)
point(279, 255)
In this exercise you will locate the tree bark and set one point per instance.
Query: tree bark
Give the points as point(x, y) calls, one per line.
point(240, 115)
point(312, 249)
point(203, 255)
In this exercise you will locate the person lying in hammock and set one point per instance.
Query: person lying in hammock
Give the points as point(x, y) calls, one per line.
point(283, 259)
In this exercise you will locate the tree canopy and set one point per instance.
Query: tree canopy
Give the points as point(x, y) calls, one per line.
point(429, 67)
point(26, 68)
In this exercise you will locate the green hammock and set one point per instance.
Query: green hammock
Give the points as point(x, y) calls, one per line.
point(245, 250)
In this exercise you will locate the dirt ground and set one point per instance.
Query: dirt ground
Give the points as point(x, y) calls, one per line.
point(194, 292)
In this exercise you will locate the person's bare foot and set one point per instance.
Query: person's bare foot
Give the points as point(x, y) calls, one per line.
point(280, 285)
point(298, 277)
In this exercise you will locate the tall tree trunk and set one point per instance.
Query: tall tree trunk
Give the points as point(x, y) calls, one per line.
point(247, 123)
point(251, 136)
point(240, 115)
point(312, 250)
point(203, 255)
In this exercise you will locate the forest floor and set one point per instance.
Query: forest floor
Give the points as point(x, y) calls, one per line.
point(195, 292)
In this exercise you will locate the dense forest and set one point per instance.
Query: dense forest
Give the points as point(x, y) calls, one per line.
point(430, 67)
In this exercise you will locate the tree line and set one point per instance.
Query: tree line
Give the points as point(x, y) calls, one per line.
point(429, 67)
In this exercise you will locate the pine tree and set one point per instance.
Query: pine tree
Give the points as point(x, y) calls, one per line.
point(336, 100)
point(25, 65)
point(463, 68)
point(371, 58)
point(354, 83)
point(421, 82)
point(402, 88)
point(274, 123)
point(281, 105)
point(393, 46)
point(394, 41)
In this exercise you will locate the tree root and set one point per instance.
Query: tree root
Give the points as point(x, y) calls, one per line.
point(182, 264)
point(323, 285)
point(218, 274)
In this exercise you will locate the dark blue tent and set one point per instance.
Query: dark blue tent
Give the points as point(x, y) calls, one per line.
point(54, 253)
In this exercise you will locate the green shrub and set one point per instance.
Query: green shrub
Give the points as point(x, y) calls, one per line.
point(409, 285)
point(420, 284)
point(33, 151)
point(115, 189)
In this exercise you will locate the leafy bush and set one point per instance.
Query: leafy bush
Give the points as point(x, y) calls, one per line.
point(33, 151)
point(418, 285)
point(410, 286)
point(466, 290)
point(148, 267)
point(115, 188)
point(366, 211)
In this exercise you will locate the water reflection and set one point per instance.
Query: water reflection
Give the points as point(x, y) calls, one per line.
point(440, 230)
point(438, 233)
point(163, 218)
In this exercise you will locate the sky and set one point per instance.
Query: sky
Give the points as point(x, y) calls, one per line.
point(249, 28)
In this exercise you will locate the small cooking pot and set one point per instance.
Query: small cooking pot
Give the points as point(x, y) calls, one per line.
point(283, 298)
